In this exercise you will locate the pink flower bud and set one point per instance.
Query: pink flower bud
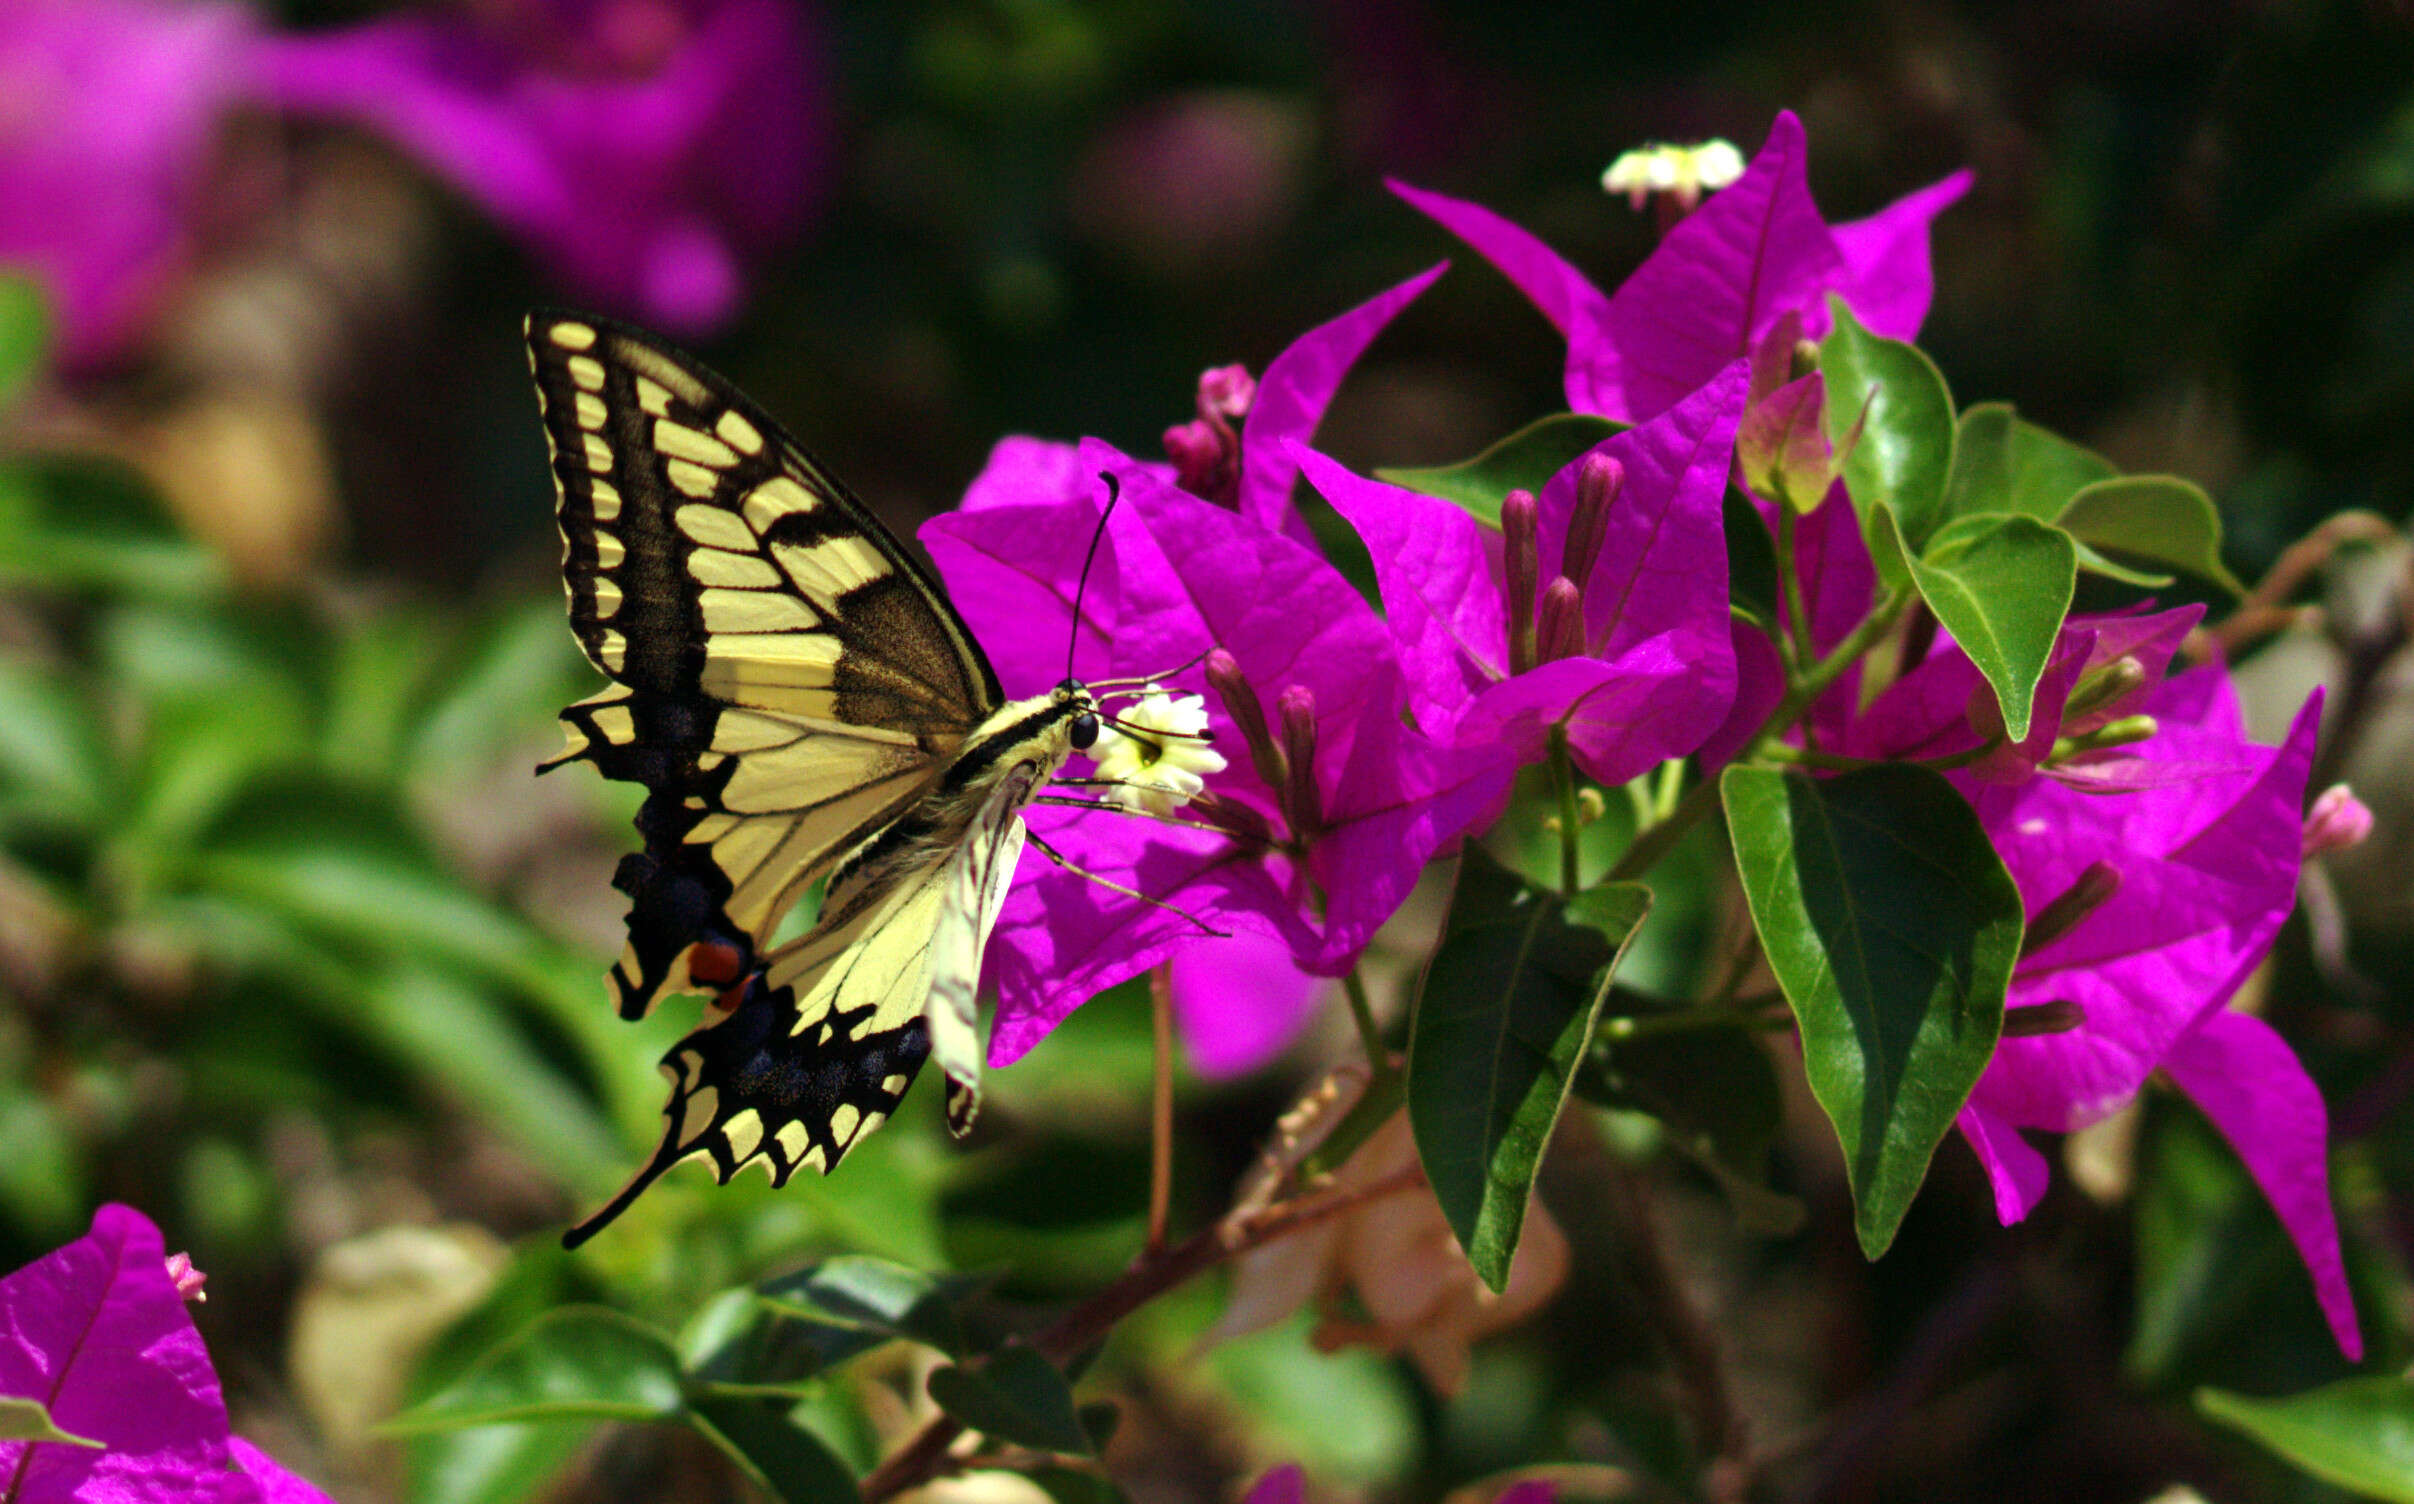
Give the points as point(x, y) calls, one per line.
point(2337, 821)
point(1597, 486)
point(2088, 892)
point(1301, 803)
point(1231, 686)
point(1562, 631)
point(1521, 557)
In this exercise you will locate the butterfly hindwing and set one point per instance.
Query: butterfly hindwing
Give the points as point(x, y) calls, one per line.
point(787, 679)
point(747, 1087)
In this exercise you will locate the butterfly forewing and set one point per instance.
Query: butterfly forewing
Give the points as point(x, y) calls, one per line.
point(787, 679)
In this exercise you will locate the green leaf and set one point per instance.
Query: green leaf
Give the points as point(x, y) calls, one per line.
point(2002, 463)
point(1751, 557)
point(27, 1420)
point(1500, 1021)
point(574, 1363)
point(77, 523)
point(778, 1454)
point(490, 1464)
point(2001, 585)
point(1016, 1396)
point(25, 326)
point(1890, 416)
point(2091, 562)
point(1522, 461)
point(877, 1298)
point(1892, 926)
point(2158, 518)
point(2357, 1434)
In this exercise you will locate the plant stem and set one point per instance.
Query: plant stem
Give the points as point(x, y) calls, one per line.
point(1160, 1116)
point(1643, 1025)
point(1797, 610)
point(1571, 833)
point(1151, 1275)
point(1370, 1034)
point(1656, 842)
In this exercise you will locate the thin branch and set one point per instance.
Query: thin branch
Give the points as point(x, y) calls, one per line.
point(926, 1456)
point(1160, 1116)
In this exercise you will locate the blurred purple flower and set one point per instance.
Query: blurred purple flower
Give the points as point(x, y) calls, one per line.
point(108, 115)
point(2176, 891)
point(1720, 282)
point(1628, 648)
point(647, 149)
point(1193, 181)
point(1314, 864)
point(98, 1332)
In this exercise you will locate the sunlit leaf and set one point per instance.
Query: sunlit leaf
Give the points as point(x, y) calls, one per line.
point(575, 1363)
point(1890, 418)
point(1500, 1022)
point(1892, 926)
point(2003, 463)
point(2357, 1434)
point(1522, 461)
point(2001, 585)
point(2159, 519)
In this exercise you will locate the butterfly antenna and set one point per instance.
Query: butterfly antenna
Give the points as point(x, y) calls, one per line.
point(1114, 493)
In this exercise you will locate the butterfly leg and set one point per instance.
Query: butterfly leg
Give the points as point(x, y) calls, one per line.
point(1059, 858)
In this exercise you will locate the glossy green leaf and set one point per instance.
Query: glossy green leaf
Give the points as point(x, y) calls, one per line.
point(1522, 461)
point(25, 329)
point(574, 1363)
point(778, 1454)
point(2003, 463)
point(1892, 926)
point(2357, 1434)
point(2001, 585)
point(2091, 562)
point(1500, 1021)
point(2159, 519)
point(28, 1420)
point(1890, 416)
point(490, 1464)
point(877, 1298)
point(1015, 1395)
point(1751, 557)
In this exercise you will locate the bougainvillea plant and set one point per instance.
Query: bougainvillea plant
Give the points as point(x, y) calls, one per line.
point(1764, 593)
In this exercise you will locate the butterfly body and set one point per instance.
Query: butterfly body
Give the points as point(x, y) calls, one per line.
point(803, 706)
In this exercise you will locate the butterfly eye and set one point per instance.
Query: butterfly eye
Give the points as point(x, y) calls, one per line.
point(1085, 731)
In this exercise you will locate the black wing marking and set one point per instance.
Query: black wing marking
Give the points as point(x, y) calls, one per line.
point(787, 678)
point(748, 1087)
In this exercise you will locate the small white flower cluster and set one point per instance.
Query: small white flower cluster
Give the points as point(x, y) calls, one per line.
point(1683, 172)
point(1158, 774)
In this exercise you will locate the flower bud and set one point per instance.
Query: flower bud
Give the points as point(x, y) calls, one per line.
point(1806, 358)
point(2337, 821)
point(1598, 483)
point(1562, 631)
point(2103, 685)
point(1301, 803)
point(1231, 686)
point(1521, 560)
point(1226, 392)
point(187, 1279)
point(2087, 893)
